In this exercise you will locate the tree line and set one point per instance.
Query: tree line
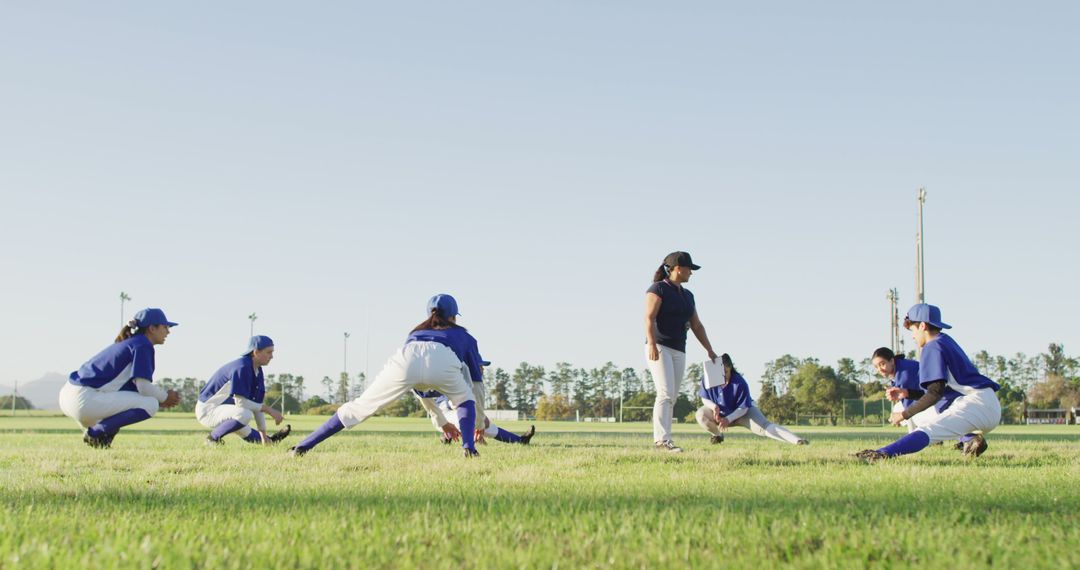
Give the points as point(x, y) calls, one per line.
point(790, 386)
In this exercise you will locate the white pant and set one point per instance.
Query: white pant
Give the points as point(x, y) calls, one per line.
point(977, 412)
point(89, 406)
point(920, 419)
point(667, 374)
point(212, 416)
point(441, 414)
point(752, 420)
point(419, 365)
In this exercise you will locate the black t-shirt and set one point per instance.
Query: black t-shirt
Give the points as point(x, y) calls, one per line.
point(673, 320)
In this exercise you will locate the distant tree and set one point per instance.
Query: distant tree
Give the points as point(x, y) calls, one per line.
point(1054, 392)
point(499, 381)
point(527, 385)
point(818, 390)
point(1057, 363)
point(313, 402)
point(643, 400)
point(554, 407)
point(342, 394)
point(328, 385)
point(632, 382)
point(358, 386)
point(188, 388)
point(290, 404)
point(20, 403)
point(778, 372)
point(561, 379)
point(691, 378)
point(774, 405)
point(405, 406)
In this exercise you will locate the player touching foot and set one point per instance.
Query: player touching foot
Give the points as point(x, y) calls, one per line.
point(235, 394)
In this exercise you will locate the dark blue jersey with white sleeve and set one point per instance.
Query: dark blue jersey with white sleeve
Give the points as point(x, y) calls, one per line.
point(237, 378)
point(729, 397)
point(458, 340)
point(677, 306)
point(907, 377)
point(117, 367)
point(943, 359)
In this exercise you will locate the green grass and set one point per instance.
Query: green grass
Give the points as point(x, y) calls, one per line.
point(386, 494)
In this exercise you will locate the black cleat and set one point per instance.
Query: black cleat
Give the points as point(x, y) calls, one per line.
point(445, 440)
point(297, 451)
point(525, 439)
point(471, 452)
point(802, 442)
point(281, 434)
point(871, 456)
point(211, 442)
point(975, 446)
point(716, 439)
point(98, 442)
point(959, 446)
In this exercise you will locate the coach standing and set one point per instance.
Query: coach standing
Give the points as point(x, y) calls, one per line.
point(669, 312)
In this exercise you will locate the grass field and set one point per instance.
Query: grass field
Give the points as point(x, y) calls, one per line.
point(386, 494)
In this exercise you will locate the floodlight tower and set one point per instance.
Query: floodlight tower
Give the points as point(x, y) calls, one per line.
point(345, 355)
point(123, 297)
point(252, 317)
point(897, 344)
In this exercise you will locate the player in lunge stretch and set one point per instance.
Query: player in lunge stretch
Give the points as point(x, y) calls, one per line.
point(438, 355)
point(438, 407)
point(726, 396)
point(115, 388)
point(965, 400)
point(670, 311)
point(234, 396)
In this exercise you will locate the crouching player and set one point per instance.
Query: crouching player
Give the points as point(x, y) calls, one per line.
point(904, 388)
point(965, 400)
point(438, 407)
point(115, 388)
point(727, 402)
point(234, 396)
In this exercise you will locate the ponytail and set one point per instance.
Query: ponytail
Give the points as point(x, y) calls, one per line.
point(129, 330)
point(726, 361)
point(661, 273)
point(435, 322)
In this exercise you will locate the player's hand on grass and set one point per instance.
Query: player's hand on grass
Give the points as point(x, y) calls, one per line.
point(265, 438)
point(895, 394)
point(895, 418)
point(171, 400)
point(478, 435)
point(451, 431)
point(654, 353)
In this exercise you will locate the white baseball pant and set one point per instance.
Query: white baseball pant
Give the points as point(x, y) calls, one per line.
point(979, 411)
point(417, 365)
point(88, 406)
point(753, 420)
point(667, 374)
point(212, 416)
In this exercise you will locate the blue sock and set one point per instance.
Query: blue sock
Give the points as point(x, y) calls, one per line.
point(506, 437)
point(225, 428)
point(112, 424)
point(253, 437)
point(332, 426)
point(967, 437)
point(910, 443)
point(466, 414)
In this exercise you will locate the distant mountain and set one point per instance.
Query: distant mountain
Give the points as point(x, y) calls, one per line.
point(43, 393)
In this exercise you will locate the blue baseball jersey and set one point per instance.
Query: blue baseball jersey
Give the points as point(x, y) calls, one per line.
point(732, 396)
point(677, 305)
point(458, 340)
point(907, 377)
point(943, 359)
point(237, 378)
point(117, 367)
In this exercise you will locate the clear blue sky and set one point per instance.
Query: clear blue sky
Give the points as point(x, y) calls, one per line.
point(331, 166)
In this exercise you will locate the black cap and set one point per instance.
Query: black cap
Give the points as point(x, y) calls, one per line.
point(680, 259)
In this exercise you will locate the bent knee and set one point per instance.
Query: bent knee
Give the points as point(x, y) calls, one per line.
point(150, 405)
point(244, 416)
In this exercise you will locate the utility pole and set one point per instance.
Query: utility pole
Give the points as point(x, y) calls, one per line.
point(14, 395)
point(897, 345)
point(252, 318)
point(123, 297)
point(920, 276)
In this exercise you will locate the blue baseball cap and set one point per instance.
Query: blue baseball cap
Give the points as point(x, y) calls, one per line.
point(150, 317)
point(929, 314)
point(259, 342)
point(446, 305)
point(485, 363)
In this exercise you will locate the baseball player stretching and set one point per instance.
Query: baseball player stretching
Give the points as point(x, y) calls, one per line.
point(438, 407)
point(727, 403)
point(234, 396)
point(115, 388)
point(904, 388)
point(438, 355)
point(670, 311)
point(965, 400)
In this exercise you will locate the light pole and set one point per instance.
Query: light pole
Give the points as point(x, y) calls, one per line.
point(345, 355)
point(123, 297)
point(252, 318)
point(920, 276)
point(894, 317)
